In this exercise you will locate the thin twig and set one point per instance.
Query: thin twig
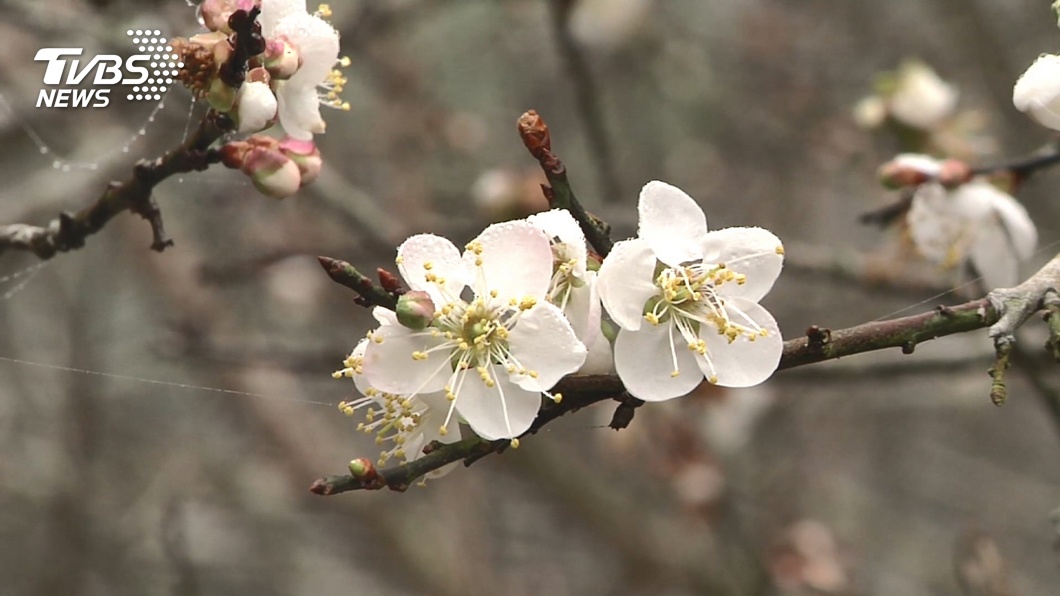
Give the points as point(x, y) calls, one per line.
point(70, 230)
point(537, 139)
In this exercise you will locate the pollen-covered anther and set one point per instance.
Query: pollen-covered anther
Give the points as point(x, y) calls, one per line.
point(419, 355)
point(651, 318)
point(515, 443)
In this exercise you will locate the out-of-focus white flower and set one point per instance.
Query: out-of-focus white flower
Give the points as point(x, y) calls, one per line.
point(317, 44)
point(870, 112)
point(975, 222)
point(686, 300)
point(408, 423)
point(921, 99)
point(1037, 92)
point(493, 351)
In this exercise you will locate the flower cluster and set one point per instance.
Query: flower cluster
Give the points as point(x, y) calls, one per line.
point(957, 218)
point(484, 333)
point(290, 57)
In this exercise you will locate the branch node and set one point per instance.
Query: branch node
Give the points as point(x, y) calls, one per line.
point(1051, 303)
point(1003, 350)
point(627, 407)
point(909, 346)
point(818, 338)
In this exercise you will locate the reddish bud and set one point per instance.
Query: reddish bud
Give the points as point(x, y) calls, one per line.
point(534, 133)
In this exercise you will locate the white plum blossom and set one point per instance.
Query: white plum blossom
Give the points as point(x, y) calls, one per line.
point(1037, 92)
point(921, 99)
point(317, 44)
point(408, 423)
point(495, 343)
point(573, 287)
point(976, 222)
point(686, 300)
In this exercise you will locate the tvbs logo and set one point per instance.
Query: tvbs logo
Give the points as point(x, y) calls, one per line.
point(149, 73)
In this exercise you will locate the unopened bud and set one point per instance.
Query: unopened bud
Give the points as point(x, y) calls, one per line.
point(281, 58)
point(305, 155)
point(214, 14)
point(255, 104)
point(954, 172)
point(415, 310)
point(908, 170)
point(361, 468)
point(272, 172)
point(534, 132)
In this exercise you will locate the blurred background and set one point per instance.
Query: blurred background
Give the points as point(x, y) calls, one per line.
point(877, 474)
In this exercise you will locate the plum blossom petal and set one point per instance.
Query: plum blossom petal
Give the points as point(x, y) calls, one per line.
point(583, 309)
point(743, 362)
point(755, 254)
point(1037, 92)
point(502, 411)
point(626, 281)
point(563, 229)
point(573, 287)
point(410, 423)
point(389, 365)
point(434, 265)
point(545, 343)
point(501, 245)
point(671, 222)
point(647, 359)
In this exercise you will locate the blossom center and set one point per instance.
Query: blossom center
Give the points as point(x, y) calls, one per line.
point(688, 299)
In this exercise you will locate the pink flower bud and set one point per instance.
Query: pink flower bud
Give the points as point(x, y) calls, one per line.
point(306, 155)
point(281, 58)
point(415, 310)
point(272, 172)
point(908, 170)
point(215, 13)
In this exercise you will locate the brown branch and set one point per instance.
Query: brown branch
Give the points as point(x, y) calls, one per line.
point(537, 139)
point(1002, 310)
point(70, 230)
point(818, 345)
